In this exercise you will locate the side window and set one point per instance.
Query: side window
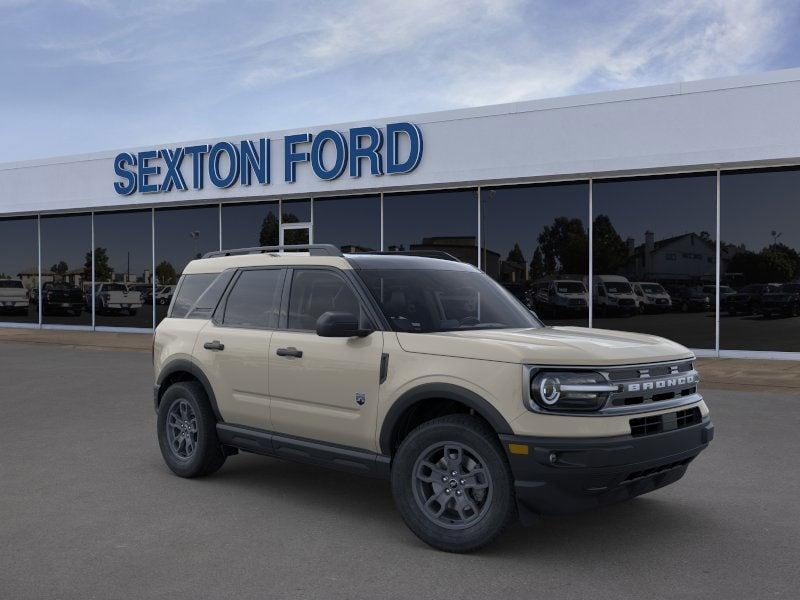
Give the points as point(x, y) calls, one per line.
point(189, 290)
point(254, 299)
point(316, 291)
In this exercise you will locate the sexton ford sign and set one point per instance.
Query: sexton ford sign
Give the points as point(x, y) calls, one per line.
point(225, 164)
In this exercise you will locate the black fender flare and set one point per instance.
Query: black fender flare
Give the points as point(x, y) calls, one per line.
point(447, 391)
point(187, 366)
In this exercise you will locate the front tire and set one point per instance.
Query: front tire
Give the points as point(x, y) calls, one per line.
point(452, 484)
point(187, 431)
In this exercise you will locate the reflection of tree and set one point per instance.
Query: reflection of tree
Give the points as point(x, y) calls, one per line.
point(775, 263)
point(102, 270)
point(610, 250)
point(269, 231)
point(515, 255)
point(538, 269)
point(563, 248)
point(60, 268)
point(166, 274)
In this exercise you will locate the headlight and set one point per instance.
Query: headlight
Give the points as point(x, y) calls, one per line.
point(569, 391)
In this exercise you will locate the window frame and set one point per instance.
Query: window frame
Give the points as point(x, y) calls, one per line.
point(367, 303)
point(218, 317)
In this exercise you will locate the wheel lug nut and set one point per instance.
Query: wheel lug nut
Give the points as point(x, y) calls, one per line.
point(458, 492)
point(444, 478)
point(454, 473)
point(461, 482)
point(447, 490)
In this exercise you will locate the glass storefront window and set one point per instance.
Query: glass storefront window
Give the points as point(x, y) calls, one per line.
point(443, 221)
point(67, 269)
point(19, 270)
point(296, 211)
point(760, 260)
point(535, 242)
point(248, 225)
point(182, 235)
point(352, 224)
point(655, 256)
point(123, 268)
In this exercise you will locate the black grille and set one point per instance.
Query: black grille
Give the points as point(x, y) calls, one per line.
point(653, 424)
point(636, 475)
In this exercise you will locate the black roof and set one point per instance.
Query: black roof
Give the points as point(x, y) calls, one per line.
point(404, 261)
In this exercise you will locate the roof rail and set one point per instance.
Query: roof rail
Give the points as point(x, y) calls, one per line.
point(313, 250)
point(440, 254)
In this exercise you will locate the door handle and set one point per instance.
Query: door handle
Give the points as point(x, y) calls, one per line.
point(290, 351)
point(215, 345)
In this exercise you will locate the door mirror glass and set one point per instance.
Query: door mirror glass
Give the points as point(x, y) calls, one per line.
point(340, 324)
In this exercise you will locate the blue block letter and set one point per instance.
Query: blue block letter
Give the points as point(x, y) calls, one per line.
point(122, 159)
point(393, 131)
point(370, 151)
point(318, 147)
point(254, 161)
point(290, 157)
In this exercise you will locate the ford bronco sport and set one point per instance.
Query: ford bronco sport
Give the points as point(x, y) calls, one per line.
point(423, 371)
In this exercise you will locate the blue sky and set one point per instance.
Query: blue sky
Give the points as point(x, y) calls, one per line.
point(88, 75)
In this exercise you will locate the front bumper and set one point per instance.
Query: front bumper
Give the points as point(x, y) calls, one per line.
point(593, 472)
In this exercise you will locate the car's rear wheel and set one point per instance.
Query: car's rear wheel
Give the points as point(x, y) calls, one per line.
point(187, 432)
point(452, 484)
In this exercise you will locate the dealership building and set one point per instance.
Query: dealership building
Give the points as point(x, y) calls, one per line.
point(672, 210)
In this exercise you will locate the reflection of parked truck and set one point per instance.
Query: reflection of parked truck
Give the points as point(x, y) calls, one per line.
point(164, 294)
point(114, 298)
point(651, 297)
point(60, 297)
point(561, 298)
point(785, 301)
point(748, 299)
point(14, 298)
point(613, 295)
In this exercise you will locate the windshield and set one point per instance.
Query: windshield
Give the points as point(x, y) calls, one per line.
point(790, 288)
point(652, 288)
point(10, 283)
point(570, 287)
point(616, 287)
point(426, 301)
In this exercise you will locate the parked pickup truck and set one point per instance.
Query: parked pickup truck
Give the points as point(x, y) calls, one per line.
point(115, 298)
point(14, 298)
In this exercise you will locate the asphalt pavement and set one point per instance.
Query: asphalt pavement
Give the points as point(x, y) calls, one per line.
point(88, 510)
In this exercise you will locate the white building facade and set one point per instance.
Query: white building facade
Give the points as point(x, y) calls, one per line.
point(690, 185)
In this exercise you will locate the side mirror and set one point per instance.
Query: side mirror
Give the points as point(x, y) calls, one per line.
point(340, 324)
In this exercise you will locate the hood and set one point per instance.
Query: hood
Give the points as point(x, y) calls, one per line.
point(578, 346)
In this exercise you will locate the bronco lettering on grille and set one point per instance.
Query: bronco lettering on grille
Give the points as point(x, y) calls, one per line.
point(660, 384)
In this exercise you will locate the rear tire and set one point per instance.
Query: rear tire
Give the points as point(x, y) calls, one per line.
point(461, 512)
point(187, 431)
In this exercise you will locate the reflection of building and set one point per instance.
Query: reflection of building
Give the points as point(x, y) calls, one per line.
point(463, 248)
point(686, 258)
point(72, 277)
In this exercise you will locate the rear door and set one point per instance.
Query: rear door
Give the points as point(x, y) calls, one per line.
point(323, 388)
point(232, 348)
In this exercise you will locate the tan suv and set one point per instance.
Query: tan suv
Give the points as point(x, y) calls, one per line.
point(426, 372)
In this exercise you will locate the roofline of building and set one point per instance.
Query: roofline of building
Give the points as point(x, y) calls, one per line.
point(546, 104)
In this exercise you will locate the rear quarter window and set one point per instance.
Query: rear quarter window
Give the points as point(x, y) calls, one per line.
point(190, 287)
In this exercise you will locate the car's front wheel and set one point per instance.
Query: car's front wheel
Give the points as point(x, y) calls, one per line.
point(187, 432)
point(452, 484)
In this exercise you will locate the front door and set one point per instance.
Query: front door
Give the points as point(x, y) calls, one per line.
point(323, 388)
point(233, 347)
